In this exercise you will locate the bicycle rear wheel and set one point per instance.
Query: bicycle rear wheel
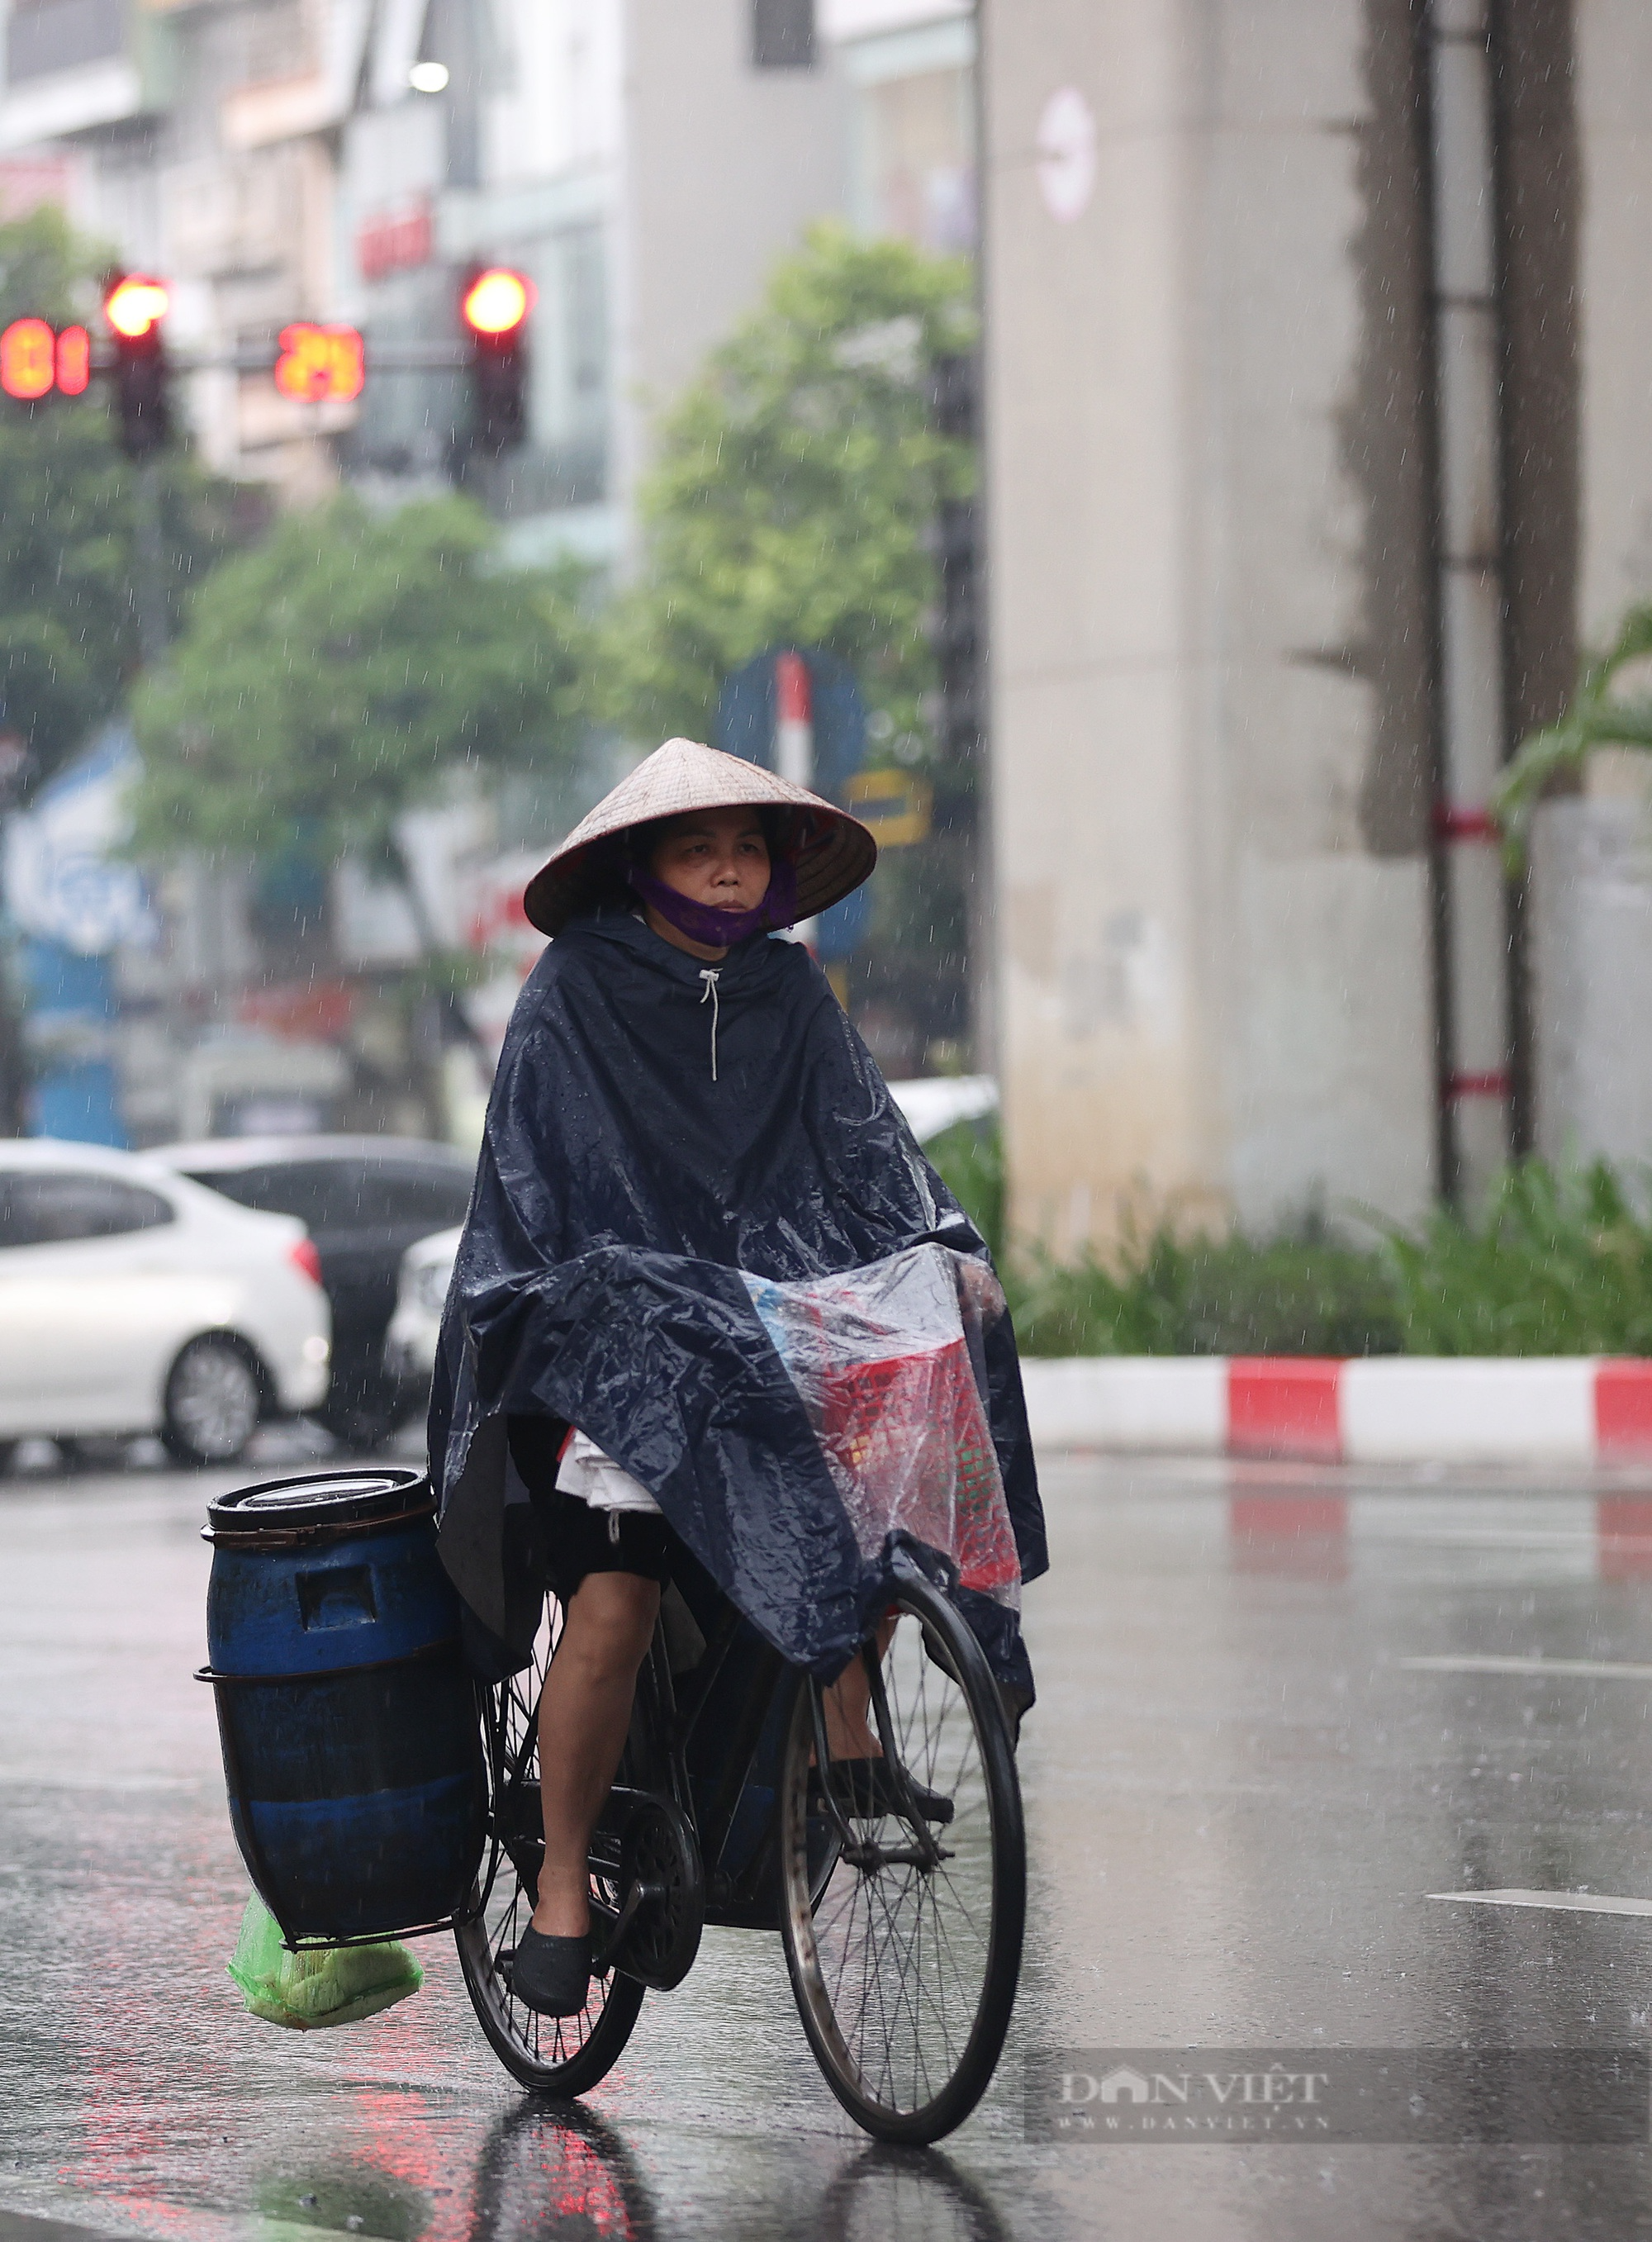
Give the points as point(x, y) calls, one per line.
point(904, 1958)
point(558, 2055)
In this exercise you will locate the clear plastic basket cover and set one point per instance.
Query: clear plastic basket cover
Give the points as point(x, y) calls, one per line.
point(889, 1362)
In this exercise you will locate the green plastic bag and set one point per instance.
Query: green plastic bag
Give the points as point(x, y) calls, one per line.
point(325, 1984)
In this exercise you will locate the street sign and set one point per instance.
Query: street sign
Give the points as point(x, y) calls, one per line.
point(797, 711)
point(67, 878)
point(321, 365)
point(896, 806)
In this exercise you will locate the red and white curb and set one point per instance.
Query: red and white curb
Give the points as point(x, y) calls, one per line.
point(1566, 1409)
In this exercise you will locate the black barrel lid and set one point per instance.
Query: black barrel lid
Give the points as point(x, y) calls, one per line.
point(320, 1501)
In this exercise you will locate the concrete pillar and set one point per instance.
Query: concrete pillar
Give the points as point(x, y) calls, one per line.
point(1210, 664)
point(1591, 878)
point(1613, 40)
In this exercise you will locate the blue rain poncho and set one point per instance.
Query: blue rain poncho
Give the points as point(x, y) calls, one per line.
point(703, 1234)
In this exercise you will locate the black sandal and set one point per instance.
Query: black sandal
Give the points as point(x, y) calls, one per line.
point(552, 1976)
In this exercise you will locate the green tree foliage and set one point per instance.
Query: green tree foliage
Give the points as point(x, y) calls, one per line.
point(794, 491)
point(67, 521)
point(343, 672)
point(1602, 714)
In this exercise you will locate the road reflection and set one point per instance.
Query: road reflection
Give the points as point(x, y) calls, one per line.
point(916, 2193)
point(552, 2172)
point(558, 2171)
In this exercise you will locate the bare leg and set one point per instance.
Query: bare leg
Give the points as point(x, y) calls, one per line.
point(850, 1734)
point(583, 1716)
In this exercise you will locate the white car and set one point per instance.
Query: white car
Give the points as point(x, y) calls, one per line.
point(421, 1293)
point(132, 1300)
point(428, 1268)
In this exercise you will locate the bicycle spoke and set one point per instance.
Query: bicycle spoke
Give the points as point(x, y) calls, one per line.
point(536, 2048)
point(903, 1948)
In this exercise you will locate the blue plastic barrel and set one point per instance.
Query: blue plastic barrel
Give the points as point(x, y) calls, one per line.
point(352, 1747)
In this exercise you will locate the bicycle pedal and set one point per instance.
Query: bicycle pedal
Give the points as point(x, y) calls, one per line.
point(866, 1790)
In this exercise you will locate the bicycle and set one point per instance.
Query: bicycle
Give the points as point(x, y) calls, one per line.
point(900, 1895)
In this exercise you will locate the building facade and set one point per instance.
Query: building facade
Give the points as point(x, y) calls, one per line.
point(644, 165)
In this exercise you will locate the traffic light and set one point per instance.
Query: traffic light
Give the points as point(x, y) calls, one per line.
point(321, 365)
point(134, 307)
point(37, 358)
point(495, 307)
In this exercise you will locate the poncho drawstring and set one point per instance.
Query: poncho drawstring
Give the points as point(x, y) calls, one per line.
point(707, 974)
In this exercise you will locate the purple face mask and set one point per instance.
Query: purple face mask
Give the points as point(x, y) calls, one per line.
point(720, 930)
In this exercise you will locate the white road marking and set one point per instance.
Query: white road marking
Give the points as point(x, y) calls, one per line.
point(1589, 1669)
point(1576, 1903)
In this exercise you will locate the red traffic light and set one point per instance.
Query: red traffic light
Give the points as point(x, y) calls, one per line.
point(35, 358)
point(135, 306)
point(497, 301)
point(321, 365)
point(28, 358)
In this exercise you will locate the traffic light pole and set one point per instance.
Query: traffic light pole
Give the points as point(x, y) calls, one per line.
point(149, 593)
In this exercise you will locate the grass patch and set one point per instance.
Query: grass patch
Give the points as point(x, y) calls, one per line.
point(1553, 1262)
point(1283, 1295)
point(969, 1158)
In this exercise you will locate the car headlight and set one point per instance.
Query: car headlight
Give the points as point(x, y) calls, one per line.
point(315, 1348)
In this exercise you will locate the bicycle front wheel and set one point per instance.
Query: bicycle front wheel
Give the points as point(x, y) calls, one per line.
point(904, 1956)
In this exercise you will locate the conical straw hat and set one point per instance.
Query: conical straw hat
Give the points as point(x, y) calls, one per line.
point(836, 852)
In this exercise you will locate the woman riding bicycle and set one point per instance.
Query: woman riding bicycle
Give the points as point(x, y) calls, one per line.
point(686, 1134)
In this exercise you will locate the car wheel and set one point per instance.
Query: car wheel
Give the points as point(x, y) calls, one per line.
point(213, 1403)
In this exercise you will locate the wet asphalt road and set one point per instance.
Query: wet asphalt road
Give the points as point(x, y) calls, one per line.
point(1240, 1798)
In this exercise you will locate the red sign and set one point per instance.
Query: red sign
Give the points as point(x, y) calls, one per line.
point(395, 241)
point(321, 365)
point(27, 182)
point(300, 1012)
